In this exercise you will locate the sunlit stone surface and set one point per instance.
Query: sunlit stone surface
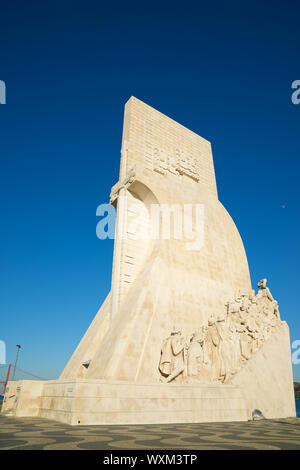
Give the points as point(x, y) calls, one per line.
point(181, 336)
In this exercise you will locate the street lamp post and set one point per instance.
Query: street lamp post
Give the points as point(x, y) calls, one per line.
point(18, 350)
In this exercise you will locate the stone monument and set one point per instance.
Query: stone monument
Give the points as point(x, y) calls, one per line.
point(181, 336)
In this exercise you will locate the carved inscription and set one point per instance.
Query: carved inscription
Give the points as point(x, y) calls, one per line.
point(177, 163)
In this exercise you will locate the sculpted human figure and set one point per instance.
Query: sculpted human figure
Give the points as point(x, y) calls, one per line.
point(234, 332)
point(234, 308)
point(176, 347)
point(252, 306)
point(267, 324)
point(224, 348)
point(264, 291)
point(195, 353)
point(265, 300)
point(216, 352)
point(238, 337)
point(252, 316)
point(252, 313)
point(239, 308)
point(197, 359)
point(212, 341)
point(246, 302)
point(246, 345)
point(165, 363)
point(268, 309)
point(254, 334)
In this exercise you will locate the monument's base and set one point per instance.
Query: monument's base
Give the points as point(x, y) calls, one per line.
point(83, 402)
point(98, 402)
point(264, 383)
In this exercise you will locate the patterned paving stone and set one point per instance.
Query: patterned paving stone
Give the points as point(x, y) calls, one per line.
point(36, 433)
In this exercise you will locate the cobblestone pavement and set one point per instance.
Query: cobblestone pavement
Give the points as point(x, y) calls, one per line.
point(37, 433)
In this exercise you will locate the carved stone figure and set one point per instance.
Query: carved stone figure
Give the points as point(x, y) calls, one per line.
point(215, 352)
point(234, 331)
point(224, 348)
point(128, 180)
point(246, 345)
point(197, 359)
point(165, 364)
point(173, 355)
point(212, 343)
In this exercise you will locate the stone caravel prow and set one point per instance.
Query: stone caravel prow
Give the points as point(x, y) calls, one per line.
point(180, 291)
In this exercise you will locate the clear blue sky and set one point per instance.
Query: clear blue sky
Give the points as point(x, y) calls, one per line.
point(223, 69)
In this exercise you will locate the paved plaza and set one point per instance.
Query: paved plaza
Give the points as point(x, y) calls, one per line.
point(36, 433)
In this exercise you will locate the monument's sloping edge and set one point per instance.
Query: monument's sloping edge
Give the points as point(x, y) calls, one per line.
point(88, 345)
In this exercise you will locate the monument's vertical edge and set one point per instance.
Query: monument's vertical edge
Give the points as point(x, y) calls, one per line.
point(120, 219)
